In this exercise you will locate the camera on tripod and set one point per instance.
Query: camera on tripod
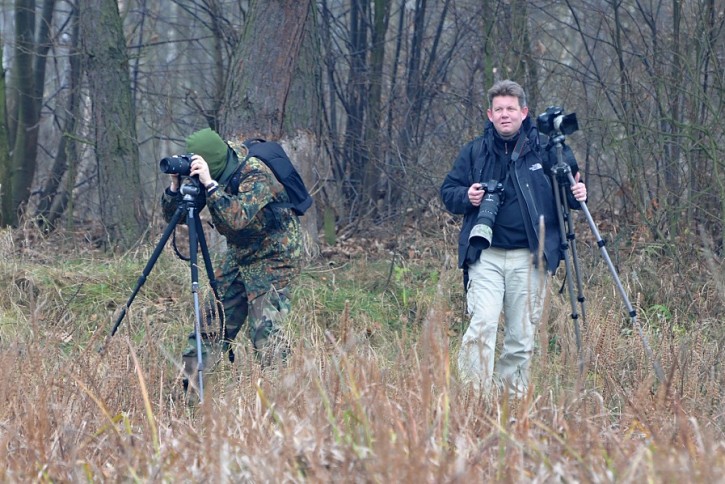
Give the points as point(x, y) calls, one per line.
point(190, 187)
point(482, 231)
point(176, 164)
point(553, 120)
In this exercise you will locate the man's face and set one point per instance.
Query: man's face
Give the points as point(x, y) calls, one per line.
point(506, 115)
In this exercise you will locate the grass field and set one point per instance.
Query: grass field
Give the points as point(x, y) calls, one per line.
point(370, 392)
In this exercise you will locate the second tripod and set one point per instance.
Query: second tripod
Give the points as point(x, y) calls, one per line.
point(562, 179)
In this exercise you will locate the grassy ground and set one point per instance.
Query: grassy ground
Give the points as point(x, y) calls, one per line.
point(370, 392)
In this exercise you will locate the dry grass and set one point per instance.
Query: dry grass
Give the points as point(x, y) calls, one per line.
point(369, 394)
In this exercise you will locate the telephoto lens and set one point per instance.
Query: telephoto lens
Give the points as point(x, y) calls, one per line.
point(176, 165)
point(482, 231)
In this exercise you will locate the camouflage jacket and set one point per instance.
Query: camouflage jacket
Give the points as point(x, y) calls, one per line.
point(262, 240)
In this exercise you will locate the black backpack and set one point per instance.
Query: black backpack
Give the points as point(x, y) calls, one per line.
point(274, 156)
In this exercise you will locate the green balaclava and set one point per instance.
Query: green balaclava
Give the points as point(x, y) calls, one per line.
point(212, 148)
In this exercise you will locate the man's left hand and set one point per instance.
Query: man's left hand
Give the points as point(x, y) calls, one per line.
point(579, 189)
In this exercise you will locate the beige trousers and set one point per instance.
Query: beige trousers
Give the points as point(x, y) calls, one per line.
point(501, 280)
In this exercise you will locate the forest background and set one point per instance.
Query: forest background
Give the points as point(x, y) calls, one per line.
point(372, 99)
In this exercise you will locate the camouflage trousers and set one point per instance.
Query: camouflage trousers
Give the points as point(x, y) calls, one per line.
point(262, 318)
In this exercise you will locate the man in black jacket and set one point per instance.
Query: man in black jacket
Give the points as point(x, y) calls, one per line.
point(519, 217)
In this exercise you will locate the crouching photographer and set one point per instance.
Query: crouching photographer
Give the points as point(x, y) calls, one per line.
point(500, 182)
point(250, 207)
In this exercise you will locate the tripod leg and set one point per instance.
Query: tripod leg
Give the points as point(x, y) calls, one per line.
point(150, 264)
point(207, 259)
point(632, 313)
point(558, 192)
point(213, 284)
point(193, 219)
point(571, 237)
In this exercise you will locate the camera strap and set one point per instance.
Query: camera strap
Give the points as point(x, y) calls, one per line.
point(518, 148)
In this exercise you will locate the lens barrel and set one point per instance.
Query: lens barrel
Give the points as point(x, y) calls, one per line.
point(176, 165)
point(482, 232)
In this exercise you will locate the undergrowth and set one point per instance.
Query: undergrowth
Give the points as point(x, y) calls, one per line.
point(370, 391)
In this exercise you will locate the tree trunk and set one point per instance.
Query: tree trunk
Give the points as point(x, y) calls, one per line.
point(263, 68)
point(25, 143)
point(303, 125)
point(107, 69)
point(258, 95)
point(376, 152)
point(55, 195)
point(5, 165)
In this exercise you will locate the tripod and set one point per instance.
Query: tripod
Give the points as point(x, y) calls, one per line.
point(562, 178)
point(191, 204)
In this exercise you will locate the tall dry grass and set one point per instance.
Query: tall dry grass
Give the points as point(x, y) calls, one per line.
point(370, 392)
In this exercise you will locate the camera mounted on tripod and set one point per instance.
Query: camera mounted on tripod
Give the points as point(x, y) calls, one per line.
point(190, 187)
point(553, 122)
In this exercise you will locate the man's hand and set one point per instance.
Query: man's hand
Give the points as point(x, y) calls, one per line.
point(579, 189)
point(475, 194)
point(199, 167)
point(174, 186)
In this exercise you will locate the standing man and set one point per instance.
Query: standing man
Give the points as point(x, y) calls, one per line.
point(504, 276)
point(246, 202)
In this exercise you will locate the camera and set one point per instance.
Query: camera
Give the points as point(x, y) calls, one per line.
point(482, 231)
point(176, 164)
point(553, 120)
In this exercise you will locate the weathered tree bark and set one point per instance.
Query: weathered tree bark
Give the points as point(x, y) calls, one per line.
point(261, 98)
point(263, 67)
point(303, 121)
point(107, 70)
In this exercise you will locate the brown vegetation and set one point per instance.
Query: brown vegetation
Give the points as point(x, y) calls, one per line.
point(370, 393)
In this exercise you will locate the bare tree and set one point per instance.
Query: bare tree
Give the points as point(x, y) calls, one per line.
point(5, 162)
point(384, 92)
point(58, 187)
point(107, 70)
point(28, 82)
point(651, 107)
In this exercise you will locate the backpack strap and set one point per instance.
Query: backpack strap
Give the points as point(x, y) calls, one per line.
point(236, 179)
point(478, 161)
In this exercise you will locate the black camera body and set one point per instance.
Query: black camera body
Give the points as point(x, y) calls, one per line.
point(554, 120)
point(176, 164)
point(482, 231)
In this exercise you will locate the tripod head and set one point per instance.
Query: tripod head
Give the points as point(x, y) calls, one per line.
point(564, 171)
point(192, 193)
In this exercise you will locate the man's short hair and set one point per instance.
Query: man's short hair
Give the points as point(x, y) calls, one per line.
point(507, 88)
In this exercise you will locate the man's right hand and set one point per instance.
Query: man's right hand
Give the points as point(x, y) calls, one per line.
point(475, 194)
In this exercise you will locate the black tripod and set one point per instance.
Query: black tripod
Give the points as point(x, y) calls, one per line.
point(191, 204)
point(562, 179)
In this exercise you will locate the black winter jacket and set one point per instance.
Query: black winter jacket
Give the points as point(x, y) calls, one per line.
point(532, 181)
